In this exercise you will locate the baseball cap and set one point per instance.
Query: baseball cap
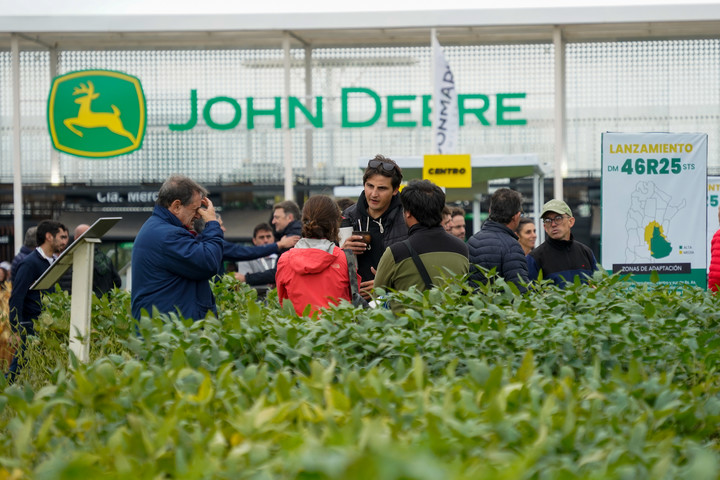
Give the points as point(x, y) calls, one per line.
point(557, 206)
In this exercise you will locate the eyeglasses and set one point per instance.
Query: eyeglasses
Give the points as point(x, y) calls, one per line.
point(555, 221)
point(388, 167)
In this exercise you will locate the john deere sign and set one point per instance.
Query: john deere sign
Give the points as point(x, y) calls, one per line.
point(96, 113)
point(101, 113)
point(397, 110)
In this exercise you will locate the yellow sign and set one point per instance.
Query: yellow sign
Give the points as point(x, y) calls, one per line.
point(449, 171)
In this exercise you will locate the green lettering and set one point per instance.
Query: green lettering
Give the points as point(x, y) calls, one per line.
point(346, 123)
point(252, 113)
point(222, 126)
point(316, 121)
point(426, 110)
point(502, 109)
point(392, 110)
point(478, 112)
point(627, 167)
point(193, 115)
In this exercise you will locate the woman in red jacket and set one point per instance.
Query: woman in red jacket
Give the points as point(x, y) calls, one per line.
point(314, 274)
point(714, 271)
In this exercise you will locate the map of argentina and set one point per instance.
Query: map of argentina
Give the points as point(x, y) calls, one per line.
point(648, 217)
point(656, 241)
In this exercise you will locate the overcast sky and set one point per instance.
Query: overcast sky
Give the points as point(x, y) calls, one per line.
point(78, 7)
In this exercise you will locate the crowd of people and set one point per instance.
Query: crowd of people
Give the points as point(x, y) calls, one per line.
point(401, 238)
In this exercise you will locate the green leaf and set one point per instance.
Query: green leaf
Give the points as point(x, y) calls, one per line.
point(527, 367)
point(654, 276)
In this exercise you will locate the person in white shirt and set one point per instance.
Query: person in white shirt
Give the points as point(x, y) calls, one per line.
point(262, 235)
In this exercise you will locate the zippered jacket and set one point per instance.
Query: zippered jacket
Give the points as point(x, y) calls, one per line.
point(561, 261)
point(714, 272)
point(496, 246)
point(313, 273)
point(172, 268)
point(387, 230)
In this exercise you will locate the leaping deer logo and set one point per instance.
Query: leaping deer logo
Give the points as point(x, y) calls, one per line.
point(88, 119)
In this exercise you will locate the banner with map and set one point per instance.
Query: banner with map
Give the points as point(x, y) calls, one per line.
point(654, 213)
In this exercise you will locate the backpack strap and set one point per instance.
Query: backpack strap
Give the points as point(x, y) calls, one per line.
point(419, 265)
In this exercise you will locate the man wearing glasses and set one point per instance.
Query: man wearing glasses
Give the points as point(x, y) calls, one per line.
point(378, 212)
point(560, 257)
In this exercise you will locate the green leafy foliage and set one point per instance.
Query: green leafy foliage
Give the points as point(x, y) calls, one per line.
point(594, 381)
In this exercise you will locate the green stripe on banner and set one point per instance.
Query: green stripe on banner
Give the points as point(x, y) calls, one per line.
point(696, 278)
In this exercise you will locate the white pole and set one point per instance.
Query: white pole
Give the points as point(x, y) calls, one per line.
point(433, 67)
point(17, 157)
point(54, 154)
point(476, 214)
point(287, 140)
point(81, 301)
point(560, 114)
point(308, 104)
point(538, 195)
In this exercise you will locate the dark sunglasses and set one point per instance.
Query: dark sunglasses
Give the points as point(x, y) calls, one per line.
point(388, 167)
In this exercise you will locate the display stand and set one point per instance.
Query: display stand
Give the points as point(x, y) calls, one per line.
point(81, 256)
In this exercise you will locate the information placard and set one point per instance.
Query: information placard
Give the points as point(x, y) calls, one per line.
point(654, 214)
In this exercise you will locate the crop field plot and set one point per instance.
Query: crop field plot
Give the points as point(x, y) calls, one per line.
point(597, 381)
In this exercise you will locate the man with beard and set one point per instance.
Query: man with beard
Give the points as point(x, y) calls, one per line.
point(25, 304)
point(379, 212)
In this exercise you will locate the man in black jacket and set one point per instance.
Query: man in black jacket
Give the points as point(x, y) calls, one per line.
point(379, 212)
point(286, 220)
point(496, 244)
point(560, 257)
point(25, 304)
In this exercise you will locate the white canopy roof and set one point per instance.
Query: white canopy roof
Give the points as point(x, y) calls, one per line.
point(105, 25)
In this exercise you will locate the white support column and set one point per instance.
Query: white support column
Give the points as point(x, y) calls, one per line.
point(287, 139)
point(476, 214)
point(560, 114)
point(81, 302)
point(538, 196)
point(309, 163)
point(17, 156)
point(54, 154)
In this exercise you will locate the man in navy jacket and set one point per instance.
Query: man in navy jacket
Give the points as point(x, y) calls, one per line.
point(25, 304)
point(496, 244)
point(560, 257)
point(171, 264)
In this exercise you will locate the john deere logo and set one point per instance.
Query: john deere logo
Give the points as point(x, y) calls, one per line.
point(96, 113)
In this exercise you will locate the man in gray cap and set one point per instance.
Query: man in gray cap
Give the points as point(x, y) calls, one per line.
point(560, 258)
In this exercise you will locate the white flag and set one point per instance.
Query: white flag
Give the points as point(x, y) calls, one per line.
point(446, 122)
